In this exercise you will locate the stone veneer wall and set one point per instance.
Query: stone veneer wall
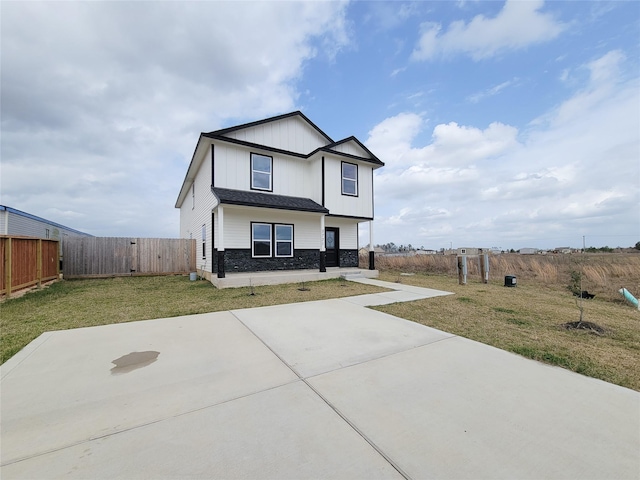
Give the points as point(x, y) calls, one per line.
point(349, 258)
point(240, 260)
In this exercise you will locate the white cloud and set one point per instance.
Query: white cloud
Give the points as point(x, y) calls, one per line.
point(452, 144)
point(573, 172)
point(102, 102)
point(518, 25)
point(490, 92)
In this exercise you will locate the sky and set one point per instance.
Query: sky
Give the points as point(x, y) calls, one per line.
point(502, 124)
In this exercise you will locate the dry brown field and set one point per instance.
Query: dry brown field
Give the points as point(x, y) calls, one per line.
point(602, 274)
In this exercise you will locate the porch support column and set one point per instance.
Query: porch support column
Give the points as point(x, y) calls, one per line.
point(220, 242)
point(372, 255)
point(323, 248)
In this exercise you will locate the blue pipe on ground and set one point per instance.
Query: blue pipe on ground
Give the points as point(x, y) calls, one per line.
point(629, 297)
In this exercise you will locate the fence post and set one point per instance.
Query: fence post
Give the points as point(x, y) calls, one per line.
point(462, 270)
point(7, 266)
point(484, 268)
point(39, 262)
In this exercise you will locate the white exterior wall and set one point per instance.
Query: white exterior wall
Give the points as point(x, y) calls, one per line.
point(194, 215)
point(351, 148)
point(290, 176)
point(312, 186)
point(338, 204)
point(291, 134)
point(237, 226)
point(348, 231)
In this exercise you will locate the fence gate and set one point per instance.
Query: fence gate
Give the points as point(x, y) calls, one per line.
point(124, 256)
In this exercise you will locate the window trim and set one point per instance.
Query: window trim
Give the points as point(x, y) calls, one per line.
point(273, 242)
point(253, 240)
point(251, 171)
point(343, 178)
point(276, 241)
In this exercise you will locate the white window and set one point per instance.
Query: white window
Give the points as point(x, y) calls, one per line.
point(261, 168)
point(261, 239)
point(284, 240)
point(46, 233)
point(204, 241)
point(349, 179)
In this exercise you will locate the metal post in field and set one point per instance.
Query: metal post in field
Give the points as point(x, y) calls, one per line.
point(484, 267)
point(462, 270)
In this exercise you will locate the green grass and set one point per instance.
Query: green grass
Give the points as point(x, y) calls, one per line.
point(528, 320)
point(86, 303)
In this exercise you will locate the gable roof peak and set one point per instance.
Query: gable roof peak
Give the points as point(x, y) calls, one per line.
point(296, 113)
point(353, 139)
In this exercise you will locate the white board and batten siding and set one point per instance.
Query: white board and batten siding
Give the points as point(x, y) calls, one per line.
point(292, 134)
point(291, 176)
point(339, 204)
point(351, 148)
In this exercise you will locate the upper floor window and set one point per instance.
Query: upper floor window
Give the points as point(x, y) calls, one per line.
point(349, 179)
point(261, 172)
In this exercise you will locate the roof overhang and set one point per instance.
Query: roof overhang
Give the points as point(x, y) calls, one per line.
point(227, 196)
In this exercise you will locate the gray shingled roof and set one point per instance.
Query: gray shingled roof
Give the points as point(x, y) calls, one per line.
point(267, 200)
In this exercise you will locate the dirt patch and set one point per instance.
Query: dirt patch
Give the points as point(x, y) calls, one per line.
point(589, 326)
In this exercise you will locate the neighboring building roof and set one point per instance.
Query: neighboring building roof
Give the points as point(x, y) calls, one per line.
point(266, 200)
point(40, 219)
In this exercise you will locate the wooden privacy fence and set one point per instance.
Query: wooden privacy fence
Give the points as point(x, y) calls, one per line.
point(118, 256)
point(27, 261)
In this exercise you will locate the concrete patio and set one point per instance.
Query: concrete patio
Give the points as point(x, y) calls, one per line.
point(246, 279)
point(326, 389)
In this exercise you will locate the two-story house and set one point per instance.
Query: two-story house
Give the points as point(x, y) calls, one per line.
point(276, 194)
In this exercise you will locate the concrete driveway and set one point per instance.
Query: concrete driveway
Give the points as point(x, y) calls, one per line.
point(323, 390)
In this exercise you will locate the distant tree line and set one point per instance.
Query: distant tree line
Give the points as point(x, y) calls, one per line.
point(393, 248)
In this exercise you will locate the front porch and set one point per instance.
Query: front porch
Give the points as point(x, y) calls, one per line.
point(245, 279)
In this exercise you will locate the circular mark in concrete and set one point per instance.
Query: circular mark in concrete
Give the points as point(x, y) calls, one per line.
point(132, 361)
